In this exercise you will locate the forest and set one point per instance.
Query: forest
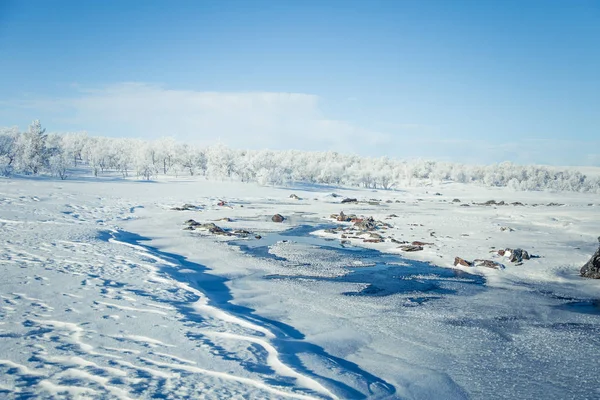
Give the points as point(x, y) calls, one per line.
point(36, 152)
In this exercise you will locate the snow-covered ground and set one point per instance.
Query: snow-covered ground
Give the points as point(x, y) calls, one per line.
point(105, 295)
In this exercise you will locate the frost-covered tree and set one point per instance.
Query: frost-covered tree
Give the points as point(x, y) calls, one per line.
point(8, 149)
point(32, 155)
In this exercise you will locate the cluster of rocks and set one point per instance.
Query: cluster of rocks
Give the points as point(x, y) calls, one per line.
point(500, 203)
point(214, 229)
point(365, 229)
point(478, 263)
point(591, 269)
point(514, 255)
point(186, 207)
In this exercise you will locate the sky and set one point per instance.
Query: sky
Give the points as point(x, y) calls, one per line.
point(472, 81)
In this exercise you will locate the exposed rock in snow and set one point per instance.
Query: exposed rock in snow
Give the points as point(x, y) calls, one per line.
point(591, 269)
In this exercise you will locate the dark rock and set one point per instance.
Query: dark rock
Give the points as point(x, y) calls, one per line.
point(437, 194)
point(335, 195)
point(277, 218)
point(222, 203)
point(191, 222)
point(258, 237)
point(518, 255)
point(392, 216)
point(490, 203)
point(293, 196)
point(554, 204)
point(517, 203)
point(389, 201)
point(349, 200)
point(372, 240)
point(462, 261)
point(410, 247)
point(465, 205)
point(456, 201)
point(506, 228)
point(488, 264)
point(185, 207)
point(500, 203)
point(591, 269)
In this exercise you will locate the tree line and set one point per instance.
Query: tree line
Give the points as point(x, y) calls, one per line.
point(35, 152)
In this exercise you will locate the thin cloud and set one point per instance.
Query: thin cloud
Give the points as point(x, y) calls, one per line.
point(243, 119)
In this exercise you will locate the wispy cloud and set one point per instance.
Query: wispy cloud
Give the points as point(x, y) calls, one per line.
point(244, 120)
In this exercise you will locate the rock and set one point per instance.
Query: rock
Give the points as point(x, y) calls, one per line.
point(410, 247)
point(389, 201)
point(554, 204)
point(418, 243)
point(500, 203)
point(488, 264)
point(501, 252)
point(517, 203)
point(372, 240)
point(293, 196)
point(342, 217)
point(222, 203)
point(367, 224)
point(517, 255)
point(349, 200)
point(490, 203)
point(437, 194)
point(506, 228)
point(465, 205)
point(225, 219)
point(258, 237)
point(277, 218)
point(373, 203)
point(185, 207)
point(591, 269)
point(462, 261)
point(456, 200)
point(191, 223)
point(335, 195)
point(392, 216)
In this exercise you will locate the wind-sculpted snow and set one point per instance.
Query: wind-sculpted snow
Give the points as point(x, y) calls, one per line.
point(104, 294)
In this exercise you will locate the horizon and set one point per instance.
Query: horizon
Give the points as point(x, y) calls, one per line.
point(466, 82)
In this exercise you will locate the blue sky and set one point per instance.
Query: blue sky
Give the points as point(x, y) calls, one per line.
point(469, 81)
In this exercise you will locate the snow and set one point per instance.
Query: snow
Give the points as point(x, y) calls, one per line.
point(105, 295)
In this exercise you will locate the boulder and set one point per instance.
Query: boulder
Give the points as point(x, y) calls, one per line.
point(277, 218)
point(349, 200)
point(367, 224)
point(185, 207)
point(591, 269)
point(293, 196)
point(410, 247)
point(488, 264)
point(462, 261)
point(342, 217)
point(517, 255)
point(456, 200)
